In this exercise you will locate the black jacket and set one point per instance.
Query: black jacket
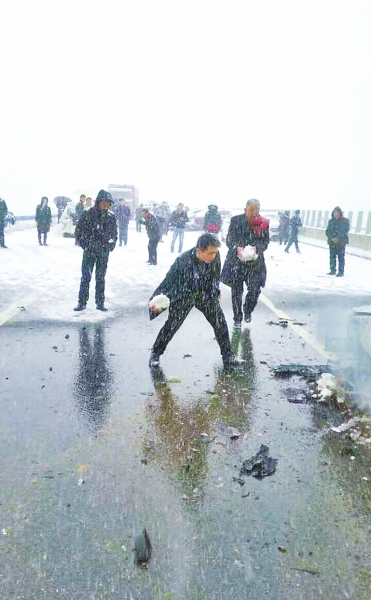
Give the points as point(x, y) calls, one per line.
point(178, 219)
point(295, 223)
point(43, 218)
point(337, 231)
point(190, 279)
point(152, 227)
point(96, 231)
point(213, 219)
point(240, 234)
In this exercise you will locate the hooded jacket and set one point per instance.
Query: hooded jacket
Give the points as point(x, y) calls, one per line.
point(96, 230)
point(337, 229)
point(43, 216)
point(213, 219)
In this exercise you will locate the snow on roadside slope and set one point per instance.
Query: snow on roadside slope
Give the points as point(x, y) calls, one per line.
point(45, 280)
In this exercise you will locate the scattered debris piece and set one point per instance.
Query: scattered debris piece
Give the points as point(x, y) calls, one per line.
point(67, 336)
point(326, 386)
point(21, 308)
point(174, 379)
point(344, 426)
point(81, 481)
point(281, 322)
point(187, 356)
point(142, 549)
point(239, 480)
point(298, 323)
point(55, 347)
point(234, 434)
point(50, 368)
point(310, 373)
point(261, 465)
point(282, 548)
point(311, 571)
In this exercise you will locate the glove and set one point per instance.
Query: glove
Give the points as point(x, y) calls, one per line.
point(111, 246)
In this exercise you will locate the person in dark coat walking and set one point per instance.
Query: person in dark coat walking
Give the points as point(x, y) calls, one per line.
point(43, 219)
point(123, 218)
point(193, 280)
point(337, 238)
point(154, 235)
point(3, 211)
point(295, 223)
point(247, 239)
point(96, 233)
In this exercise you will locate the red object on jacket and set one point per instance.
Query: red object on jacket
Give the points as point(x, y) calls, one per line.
point(259, 224)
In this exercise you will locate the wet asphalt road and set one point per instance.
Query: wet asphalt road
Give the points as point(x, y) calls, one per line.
point(95, 447)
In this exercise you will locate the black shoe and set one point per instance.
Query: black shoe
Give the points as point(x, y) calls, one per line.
point(247, 318)
point(154, 360)
point(80, 307)
point(287, 251)
point(148, 261)
point(101, 307)
point(3, 246)
point(332, 273)
point(45, 244)
point(40, 244)
point(340, 275)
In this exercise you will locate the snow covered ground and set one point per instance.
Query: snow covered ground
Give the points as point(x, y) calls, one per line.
point(44, 281)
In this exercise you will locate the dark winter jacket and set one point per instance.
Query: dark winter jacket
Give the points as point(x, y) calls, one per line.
point(96, 231)
point(189, 279)
point(3, 210)
point(284, 223)
point(152, 227)
point(213, 219)
point(337, 230)
point(43, 218)
point(242, 233)
point(178, 220)
point(122, 214)
point(295, 223)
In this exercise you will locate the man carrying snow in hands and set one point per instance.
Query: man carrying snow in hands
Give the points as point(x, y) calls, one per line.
point(193, 280)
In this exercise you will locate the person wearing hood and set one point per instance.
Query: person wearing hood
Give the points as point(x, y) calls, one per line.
point(337, 238)
point(96, 233)
point(43, 219)
point(213, 220)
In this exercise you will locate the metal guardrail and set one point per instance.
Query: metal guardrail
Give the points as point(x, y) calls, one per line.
point(360, 222)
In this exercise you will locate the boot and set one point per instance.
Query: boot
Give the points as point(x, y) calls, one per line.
point(80, 307)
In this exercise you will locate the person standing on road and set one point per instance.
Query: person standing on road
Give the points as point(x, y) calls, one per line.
point(154, 235)
point(213, 220)
point(337, 238)
point(88, 203)
point(80, 206)
point(284, 227)
point(139, 217)
point(123, 218)
point(43, 219)
point(178, 221)
point(247, 239)
point(295, 223)
point(193, 280)
point(96, 233)
point(3, 211)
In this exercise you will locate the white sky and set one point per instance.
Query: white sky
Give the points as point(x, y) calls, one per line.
point(192, 101)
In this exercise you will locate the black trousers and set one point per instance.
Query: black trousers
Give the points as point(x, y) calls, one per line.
point(100, 262)
point(123, 233)
point(152, 250)
point(253, 293)
point(178, 311)
point(338, 252)
point(41, 231)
